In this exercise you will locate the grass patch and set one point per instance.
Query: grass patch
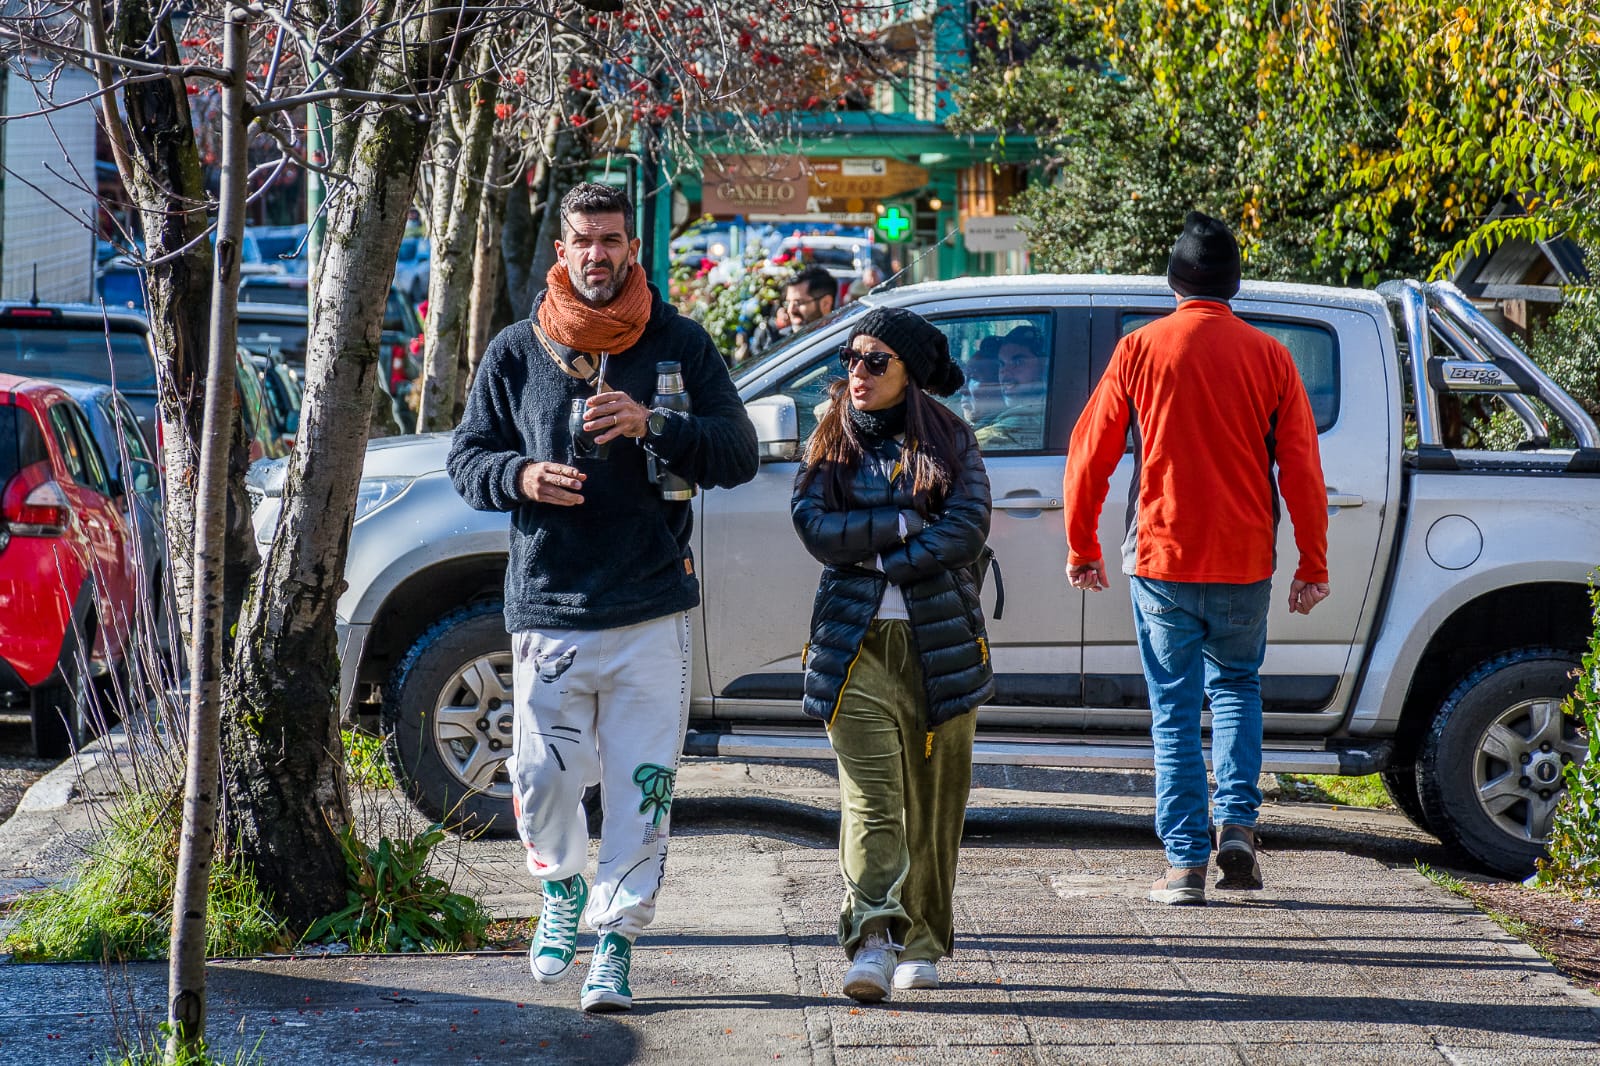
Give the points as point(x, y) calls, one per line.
point(118, 906)
point(1340, 791)
point(364, 764)
point(154, 1054)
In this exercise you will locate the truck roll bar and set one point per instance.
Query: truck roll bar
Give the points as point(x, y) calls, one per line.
point(1440, 306)
point(1453, 302)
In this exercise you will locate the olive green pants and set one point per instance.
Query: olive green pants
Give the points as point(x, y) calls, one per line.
point(903, 800)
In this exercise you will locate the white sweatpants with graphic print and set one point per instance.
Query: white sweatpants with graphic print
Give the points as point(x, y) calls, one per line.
point(606, 707)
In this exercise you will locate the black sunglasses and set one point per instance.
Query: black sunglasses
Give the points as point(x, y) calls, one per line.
point(877, 363)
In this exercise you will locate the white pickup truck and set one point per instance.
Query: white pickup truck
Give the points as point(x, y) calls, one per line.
point(1459, 604)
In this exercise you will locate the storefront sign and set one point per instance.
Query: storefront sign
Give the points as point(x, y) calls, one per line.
point(745, 185)
point(999, 233)
point(793, 186)
point(865, 179)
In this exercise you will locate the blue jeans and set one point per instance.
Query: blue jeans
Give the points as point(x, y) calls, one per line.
point(1202, 642)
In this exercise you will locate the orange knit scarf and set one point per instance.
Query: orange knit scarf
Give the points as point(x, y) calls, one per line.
point(616, 327)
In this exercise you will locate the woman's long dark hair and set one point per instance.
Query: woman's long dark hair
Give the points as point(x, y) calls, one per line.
point(932, 451)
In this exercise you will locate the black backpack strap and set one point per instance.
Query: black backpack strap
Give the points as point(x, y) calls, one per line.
point(999, 583)
point(986, 562)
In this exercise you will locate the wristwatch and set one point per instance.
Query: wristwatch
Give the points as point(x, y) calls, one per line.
point(657, 424)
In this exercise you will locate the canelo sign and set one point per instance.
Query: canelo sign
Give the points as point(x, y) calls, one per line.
point(753, 184)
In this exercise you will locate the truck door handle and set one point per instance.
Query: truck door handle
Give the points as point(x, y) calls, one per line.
point(1344, 499)
point(1027, 503)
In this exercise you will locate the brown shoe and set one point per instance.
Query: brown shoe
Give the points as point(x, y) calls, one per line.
point(1181, 887)
point(1236, 858)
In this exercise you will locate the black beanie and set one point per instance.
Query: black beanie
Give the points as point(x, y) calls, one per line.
point(920, 344)
point(1205, 260)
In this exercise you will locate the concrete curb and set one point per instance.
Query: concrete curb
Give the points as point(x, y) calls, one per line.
point(55, 809)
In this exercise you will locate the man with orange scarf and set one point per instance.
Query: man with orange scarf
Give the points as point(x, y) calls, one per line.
point(601, 579)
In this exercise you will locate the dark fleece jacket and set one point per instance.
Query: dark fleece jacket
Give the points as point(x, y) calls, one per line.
point(622, 556)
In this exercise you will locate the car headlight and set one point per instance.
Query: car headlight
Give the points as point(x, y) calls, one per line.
point(375, 492)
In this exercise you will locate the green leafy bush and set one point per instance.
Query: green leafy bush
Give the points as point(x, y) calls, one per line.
point(119, 903)
point(364, 762)
point(396, 905)
point(1574, 862)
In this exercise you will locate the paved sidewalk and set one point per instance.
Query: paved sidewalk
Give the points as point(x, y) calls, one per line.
point(1349, 957)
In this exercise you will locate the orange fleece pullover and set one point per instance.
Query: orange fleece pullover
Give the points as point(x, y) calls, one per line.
point(1216, 403)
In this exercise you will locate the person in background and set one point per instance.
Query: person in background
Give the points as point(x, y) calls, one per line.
point(893, 500)
point(809, 296)
point(1222, 428)
point(1019, 424)
point(601, 578)
point(981, 400)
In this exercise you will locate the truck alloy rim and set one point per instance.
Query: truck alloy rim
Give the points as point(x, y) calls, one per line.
point(472, 724)
point(1517, 769)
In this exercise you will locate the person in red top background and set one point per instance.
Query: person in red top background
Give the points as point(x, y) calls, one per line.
point(1216, 405)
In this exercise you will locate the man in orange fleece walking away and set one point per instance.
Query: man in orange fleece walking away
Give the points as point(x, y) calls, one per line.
point(1216, 405)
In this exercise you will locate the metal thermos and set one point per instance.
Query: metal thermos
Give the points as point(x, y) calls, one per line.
point(583, 445)
point(671, 396)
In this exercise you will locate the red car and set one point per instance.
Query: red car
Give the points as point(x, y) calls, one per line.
point(68, 587)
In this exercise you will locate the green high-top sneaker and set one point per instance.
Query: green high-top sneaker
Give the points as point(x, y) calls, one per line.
point(556, 944)
point(606, 988)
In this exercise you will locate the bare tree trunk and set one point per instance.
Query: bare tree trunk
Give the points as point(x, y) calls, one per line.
point(450, 276)
point(519, 236)
point(287, 796)
point(485, 269)
point(158, 160)
point(186, 975)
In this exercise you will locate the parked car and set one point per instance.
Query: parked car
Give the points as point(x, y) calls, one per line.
point(273, 328)
point(264, 434)
point(135, 476)
point(846, 258)
point(82, 343)
point(261, 326)
point(1460, 604)
point(413, 267)
point(280, 386)
point(65, 552)
point(281, 246)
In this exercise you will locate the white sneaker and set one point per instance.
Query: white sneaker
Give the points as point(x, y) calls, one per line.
point(916, 973)
point(872, 973)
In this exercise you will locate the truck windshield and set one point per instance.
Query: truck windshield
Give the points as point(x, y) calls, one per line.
point(120, 359)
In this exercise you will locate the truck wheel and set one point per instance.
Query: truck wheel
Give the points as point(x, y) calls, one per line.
point(447, 721)
point(1490, 769)
point(1401, 785)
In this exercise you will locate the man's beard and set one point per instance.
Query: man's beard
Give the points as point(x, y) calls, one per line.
point(601, 294)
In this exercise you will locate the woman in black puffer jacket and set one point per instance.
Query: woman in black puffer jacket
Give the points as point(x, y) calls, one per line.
point(893, 500)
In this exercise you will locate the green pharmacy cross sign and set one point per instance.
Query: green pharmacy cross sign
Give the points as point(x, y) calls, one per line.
point(894, 224)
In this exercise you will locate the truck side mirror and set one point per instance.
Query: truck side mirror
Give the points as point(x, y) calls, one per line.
point(777, 428)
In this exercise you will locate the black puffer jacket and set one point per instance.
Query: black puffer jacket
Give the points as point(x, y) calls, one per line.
point(933, 567)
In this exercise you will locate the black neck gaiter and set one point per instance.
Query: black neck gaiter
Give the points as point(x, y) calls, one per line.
point(879, 425)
